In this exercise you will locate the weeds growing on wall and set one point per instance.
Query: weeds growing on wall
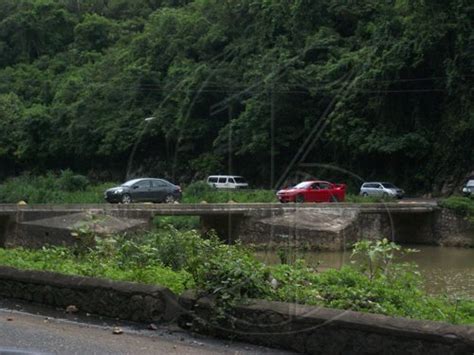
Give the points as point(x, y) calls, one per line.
point(463, 206)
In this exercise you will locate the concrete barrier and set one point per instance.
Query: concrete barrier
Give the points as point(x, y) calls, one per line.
point(325, 226)
point(123, 300)
point(317, 330)
point(306, 329)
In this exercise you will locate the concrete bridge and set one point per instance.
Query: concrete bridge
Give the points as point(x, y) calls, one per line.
point(319, 226)
point(205, 209)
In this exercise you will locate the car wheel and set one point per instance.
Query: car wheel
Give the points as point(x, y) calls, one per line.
point(334, 199)
point(126, 199)
point(169, 199)
point(365, 194)
point(299, 199)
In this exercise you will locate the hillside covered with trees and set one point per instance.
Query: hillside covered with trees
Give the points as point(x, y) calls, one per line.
point(268, 89)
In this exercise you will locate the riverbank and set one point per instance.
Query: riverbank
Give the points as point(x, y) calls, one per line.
point(183, 260)
point(444, 270)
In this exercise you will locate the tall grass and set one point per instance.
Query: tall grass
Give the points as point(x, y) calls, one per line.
point(64, 188)
point(202, 192)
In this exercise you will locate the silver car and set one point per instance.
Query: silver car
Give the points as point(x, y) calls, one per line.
point(381, 189)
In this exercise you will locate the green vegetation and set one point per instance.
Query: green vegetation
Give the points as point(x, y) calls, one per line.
point(181, 223)
point(202, 192)
point(180, 260)
point(66, 187)
point(62, 260)
point(464, 206)
point(348, 288)
point(388, 82)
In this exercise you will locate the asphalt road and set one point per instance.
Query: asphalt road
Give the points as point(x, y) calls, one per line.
point(26, 329)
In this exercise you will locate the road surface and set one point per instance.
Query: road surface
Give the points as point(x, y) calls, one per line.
point(38, 330)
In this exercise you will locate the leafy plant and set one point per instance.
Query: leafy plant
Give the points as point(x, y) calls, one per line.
point(377, 257)
point(230, 275)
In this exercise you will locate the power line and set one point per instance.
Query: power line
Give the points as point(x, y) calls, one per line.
point(308, 91)
point(243, 86)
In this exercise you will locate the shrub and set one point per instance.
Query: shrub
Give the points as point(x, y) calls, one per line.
point(461, 205)
point(167, 246)
point(70, 182)
point(230, 273)
point(199, 188)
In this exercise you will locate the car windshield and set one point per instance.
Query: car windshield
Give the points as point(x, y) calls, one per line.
point(302, 185)
point(130, 182)
point(388, 185)
point(470, 183)
point(239, 180)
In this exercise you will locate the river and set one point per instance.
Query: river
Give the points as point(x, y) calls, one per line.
point(445, 271)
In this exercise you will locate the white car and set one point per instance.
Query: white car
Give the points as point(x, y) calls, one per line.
point(468, 189)
point(227, 182)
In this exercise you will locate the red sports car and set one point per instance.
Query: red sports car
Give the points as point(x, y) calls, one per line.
point(313, 191)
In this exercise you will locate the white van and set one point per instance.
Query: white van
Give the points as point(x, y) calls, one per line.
point(227, 182)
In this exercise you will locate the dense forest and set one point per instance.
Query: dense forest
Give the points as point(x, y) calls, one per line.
point(270, 89)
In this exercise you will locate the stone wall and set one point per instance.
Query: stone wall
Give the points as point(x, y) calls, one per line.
point(289, 326)
point(452, 229)
point(123, 300)
point(315, 330)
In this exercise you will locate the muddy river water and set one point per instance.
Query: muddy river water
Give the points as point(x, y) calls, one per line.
point(445, 271)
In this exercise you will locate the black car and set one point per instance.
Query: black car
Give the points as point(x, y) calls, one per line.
point(144, 190)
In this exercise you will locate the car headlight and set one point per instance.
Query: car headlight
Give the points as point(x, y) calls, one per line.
point(119, 191)
point(465, 189)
